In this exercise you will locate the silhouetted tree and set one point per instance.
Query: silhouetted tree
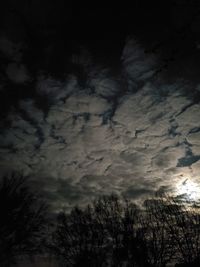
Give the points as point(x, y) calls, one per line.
point(79, 239)
point(138, 237)
point(114, 232)
point(22, 220)
point(182, 223)
point(119, 217)
point(158, 242)
point(104, 234)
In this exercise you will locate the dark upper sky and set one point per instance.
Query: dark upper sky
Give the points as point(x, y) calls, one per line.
point(100, 99)
point(162, 26)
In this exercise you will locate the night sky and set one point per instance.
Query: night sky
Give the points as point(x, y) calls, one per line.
point(100, 100)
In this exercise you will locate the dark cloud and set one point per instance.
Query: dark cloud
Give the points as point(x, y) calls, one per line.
point(137, 192)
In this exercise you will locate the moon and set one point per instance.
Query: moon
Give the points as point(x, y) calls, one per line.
point(189, 189)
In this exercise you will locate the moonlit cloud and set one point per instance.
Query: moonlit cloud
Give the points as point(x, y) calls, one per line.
point(138, 64)
point(89, 144)
point(55, 90)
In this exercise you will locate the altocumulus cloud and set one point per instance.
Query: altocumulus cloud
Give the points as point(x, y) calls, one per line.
point(105, 138)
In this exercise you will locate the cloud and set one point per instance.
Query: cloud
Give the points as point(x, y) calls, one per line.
point(17, 73)
point(10, 49)
point(104, 85)
point(149, 142)
point(56, 90)
point(138, 65)
point(12, 55)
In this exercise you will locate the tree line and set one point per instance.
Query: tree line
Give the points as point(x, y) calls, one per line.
point(110, 231)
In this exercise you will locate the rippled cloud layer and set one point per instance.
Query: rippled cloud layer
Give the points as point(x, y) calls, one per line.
point(132, 135)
